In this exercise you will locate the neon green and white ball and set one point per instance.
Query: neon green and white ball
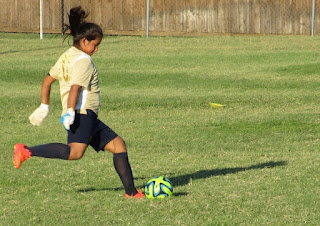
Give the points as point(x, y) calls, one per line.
point(158, 188)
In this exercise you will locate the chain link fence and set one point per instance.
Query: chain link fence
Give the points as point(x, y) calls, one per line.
point(168, 17)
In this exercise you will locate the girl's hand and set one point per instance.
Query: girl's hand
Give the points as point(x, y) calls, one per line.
point(68, 118)
point(37, 117)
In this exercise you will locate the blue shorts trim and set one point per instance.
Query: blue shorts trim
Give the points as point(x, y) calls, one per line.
point(88, 129)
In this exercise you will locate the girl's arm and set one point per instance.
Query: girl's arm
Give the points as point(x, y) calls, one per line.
point(37, 117)
point(73, 96)
point(46, 88)
point(68, 118)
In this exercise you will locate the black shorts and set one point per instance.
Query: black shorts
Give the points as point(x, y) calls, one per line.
point(88, 129)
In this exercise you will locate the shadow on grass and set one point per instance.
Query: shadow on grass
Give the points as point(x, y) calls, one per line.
point(180, 193)
point(99, 189)
point(184, 179)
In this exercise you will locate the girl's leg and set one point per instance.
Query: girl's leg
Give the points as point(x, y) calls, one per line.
point(77, 150)
point(117, 145)
point(52, 150)
point(121, 163)
point(73, 151)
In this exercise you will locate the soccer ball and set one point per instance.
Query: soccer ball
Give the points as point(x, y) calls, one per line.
point(158, 188)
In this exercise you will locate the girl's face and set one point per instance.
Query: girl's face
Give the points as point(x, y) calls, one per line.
point(89, 47)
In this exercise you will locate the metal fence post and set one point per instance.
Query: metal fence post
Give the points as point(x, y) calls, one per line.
point(313, 16)
point(147, 18)
point(62, 16)
point(41, 19)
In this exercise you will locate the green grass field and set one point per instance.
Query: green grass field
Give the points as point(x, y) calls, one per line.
point(253, 162)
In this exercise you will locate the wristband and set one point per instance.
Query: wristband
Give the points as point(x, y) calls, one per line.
point(44, 106)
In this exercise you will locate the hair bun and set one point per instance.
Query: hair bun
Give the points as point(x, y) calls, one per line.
point(77, 17)
point(79, 27)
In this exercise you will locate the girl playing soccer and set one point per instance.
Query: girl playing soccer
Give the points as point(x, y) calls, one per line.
point(80, 97)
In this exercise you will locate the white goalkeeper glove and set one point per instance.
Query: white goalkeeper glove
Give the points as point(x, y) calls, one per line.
point(68, 118)
point(37, 117)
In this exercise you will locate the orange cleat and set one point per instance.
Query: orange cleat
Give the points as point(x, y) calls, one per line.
point(20, 154)
point(138, 195)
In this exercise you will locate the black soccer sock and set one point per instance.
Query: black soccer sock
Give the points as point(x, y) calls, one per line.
point(53, 150)
point(123, 168)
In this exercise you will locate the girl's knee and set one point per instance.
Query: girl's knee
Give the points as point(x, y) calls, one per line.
point(75, 156)
point(117, 145)
point(77, 151)
point(120, 142)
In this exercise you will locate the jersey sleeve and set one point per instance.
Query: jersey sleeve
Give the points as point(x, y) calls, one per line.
point(54, 71)
point(82, 72)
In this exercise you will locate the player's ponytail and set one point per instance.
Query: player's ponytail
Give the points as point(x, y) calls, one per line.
point(79, 28)
point(77, 17)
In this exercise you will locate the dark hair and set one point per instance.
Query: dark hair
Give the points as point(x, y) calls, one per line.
point(79, 28)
